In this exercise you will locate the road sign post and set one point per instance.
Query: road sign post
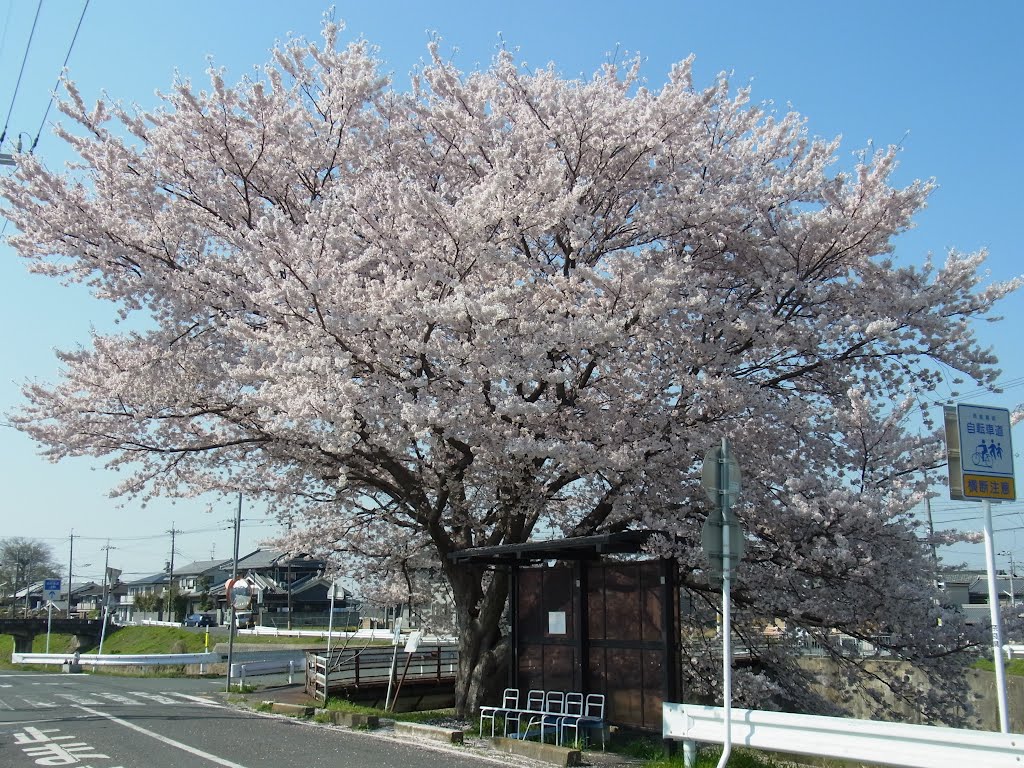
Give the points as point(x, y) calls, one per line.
point(979, 452)
point(52, 589)
point(722, 538)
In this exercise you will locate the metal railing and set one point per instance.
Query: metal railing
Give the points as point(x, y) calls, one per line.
point(117, 659)
point(348, 667)
point(872, 741)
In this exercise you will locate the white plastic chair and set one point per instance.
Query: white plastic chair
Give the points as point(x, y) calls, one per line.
point(509, 703)
point(534, 704)
point(592, 717)
point(554, 708)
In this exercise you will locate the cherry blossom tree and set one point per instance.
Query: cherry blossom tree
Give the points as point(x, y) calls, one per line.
point(504, 303)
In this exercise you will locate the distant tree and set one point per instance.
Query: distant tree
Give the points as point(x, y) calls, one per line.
point(203, 586)
point(507, 303)
point(147, 602)
point(179, 605)
point(23, 562)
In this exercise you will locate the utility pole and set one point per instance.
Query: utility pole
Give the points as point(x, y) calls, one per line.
point(106, 586)
point(170, 575)
point(1013, 594)
point(931, 533)
point(231, 600)
point(71, 560)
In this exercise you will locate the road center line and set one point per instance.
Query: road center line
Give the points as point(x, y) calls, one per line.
point(161, 738)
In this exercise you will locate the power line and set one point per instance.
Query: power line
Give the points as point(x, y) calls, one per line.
point(21, 72)
point(62, 69)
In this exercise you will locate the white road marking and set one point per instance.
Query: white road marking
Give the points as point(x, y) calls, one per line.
point(80, 699)
point(42, 674)
point(39, 704)
point(163, 739)
point(199, 700)
point(119, 699)
point(5, 705)
point(158, 698)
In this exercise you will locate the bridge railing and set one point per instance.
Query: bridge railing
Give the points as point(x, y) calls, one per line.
point(373, 666)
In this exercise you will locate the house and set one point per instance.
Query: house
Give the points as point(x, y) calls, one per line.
point(290, 589)
point(86, 597)
point(196, 583)
point(967, 591)
point(146, 598)
point(89, 597)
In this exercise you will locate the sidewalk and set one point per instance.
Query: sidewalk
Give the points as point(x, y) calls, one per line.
point(295, 694)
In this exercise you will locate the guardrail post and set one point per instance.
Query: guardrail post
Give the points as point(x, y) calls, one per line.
point(291, 670)
point(689, 754)
point(241, 676)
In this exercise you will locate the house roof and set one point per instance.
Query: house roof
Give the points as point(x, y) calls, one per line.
point(157, 578)
point(200, 567)
point(268, 558)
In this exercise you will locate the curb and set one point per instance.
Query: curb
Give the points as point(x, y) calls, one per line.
point(290, 709)
point(432, 732)
point(535, 750)
point(350, 719)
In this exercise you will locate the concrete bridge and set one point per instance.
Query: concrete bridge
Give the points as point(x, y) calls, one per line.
point(87, 631)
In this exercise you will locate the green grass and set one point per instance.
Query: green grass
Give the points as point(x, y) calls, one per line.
point(58, 644)
point(708, 758)
point(426, 716)
point(138, 640)
point(1015, 667)
point(652, 751)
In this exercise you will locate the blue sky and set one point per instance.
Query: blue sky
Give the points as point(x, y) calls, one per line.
point(941, 78)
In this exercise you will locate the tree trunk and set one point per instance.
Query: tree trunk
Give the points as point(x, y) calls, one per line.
point(484, 652)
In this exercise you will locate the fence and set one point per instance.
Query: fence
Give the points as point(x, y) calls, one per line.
point(347, 667)
point(893, 744)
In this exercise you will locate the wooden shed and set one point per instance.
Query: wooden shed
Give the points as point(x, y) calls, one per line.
point(590, 614)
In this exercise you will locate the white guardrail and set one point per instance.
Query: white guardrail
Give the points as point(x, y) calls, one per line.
point(1014, 651)
point(872, 741)
point(245, 669)
point(117, 659)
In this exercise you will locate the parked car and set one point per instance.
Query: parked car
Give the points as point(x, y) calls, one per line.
point(200, 620)
point(244, 620)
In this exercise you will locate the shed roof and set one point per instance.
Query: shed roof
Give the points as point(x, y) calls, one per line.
point(577, 548)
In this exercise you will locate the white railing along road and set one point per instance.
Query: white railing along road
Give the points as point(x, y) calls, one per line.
point(117, 659)
point(872, 741)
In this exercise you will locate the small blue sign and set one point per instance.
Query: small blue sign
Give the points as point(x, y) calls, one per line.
point(51, 585)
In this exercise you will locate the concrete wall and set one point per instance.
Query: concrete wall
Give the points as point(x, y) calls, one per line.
point(982, 692)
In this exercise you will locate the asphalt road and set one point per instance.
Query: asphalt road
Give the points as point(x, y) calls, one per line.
point(99, 721)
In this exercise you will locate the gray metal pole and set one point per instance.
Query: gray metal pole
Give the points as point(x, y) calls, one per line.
point(723, 484)
point(231, 603)
point(997, 631)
